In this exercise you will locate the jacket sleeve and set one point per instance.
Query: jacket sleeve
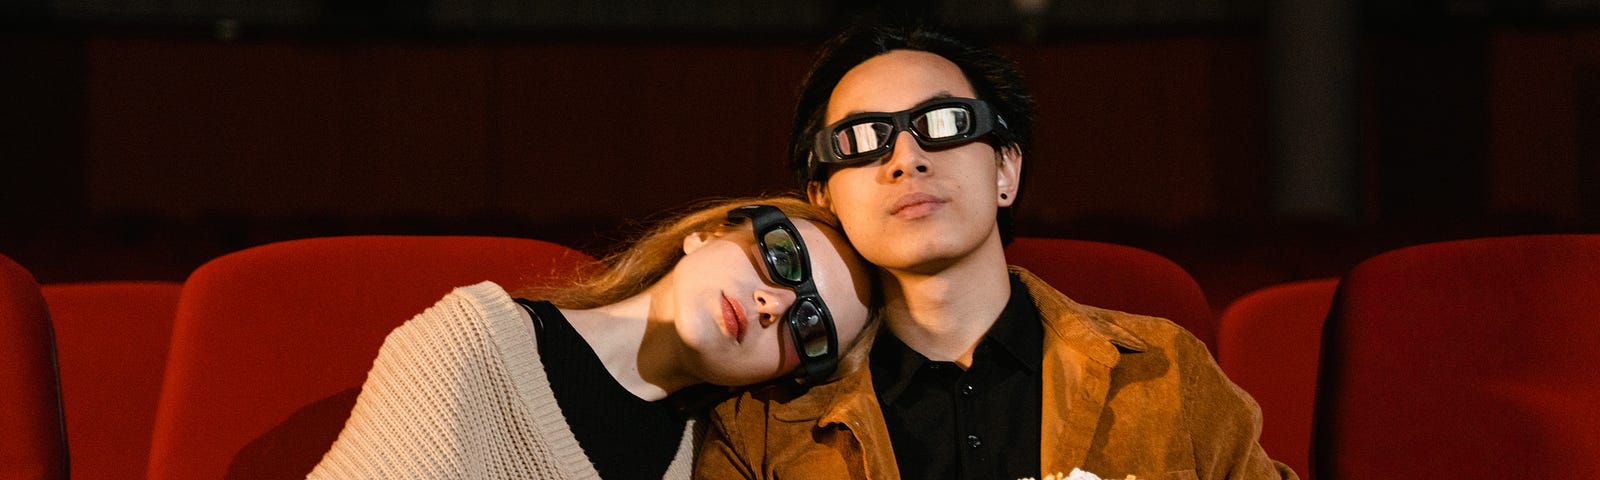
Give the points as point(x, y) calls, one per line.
point(1225, 421)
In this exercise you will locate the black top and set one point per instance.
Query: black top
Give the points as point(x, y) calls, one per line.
point(979, 423)
point(625, 436)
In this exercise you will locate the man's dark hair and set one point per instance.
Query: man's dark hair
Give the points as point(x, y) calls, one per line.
point(995, 79)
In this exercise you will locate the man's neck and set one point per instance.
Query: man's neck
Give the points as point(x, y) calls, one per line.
point(944, 315)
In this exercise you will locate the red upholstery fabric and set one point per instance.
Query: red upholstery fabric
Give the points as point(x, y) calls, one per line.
point(33, 442)
point(1120, 278)
point(271, 344)
point(1268, 342)
point(1465, 359)
point(112, 338)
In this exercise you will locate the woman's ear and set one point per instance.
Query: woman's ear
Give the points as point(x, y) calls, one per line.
point(817, 193)
point(694, 241)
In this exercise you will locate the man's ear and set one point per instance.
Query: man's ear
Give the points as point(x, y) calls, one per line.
point(694, 241)
point(1008, 174)
point(817, 193)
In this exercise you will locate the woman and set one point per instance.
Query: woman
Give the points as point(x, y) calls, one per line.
point(585, 385)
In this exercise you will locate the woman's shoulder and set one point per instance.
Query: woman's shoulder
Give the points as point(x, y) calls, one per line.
point(481, 293)
point(483, 307)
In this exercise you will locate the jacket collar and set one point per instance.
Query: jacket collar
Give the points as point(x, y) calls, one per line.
point(1081, 346)
point(1081, 327)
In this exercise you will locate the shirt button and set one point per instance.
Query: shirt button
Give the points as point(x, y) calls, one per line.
point(966, 389)
point(973, 441)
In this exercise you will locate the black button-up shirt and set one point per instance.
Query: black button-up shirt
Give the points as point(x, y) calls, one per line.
point(979, 423)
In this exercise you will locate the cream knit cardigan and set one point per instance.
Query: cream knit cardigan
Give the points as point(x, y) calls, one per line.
point(459, 392)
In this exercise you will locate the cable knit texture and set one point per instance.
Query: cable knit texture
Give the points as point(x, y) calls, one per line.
point(459, 392)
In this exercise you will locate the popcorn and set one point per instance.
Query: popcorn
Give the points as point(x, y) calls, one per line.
point(1076, 474)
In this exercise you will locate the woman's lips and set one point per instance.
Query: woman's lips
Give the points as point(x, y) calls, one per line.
point(914, 205)
point(733, 320)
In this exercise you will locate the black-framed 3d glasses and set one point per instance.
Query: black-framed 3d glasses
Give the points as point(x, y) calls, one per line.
point(788, 264)
point(936, 123)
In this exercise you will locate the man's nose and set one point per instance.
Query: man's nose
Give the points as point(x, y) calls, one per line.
point(907, 157)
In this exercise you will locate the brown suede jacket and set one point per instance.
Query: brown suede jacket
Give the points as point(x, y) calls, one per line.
point(1124, 395)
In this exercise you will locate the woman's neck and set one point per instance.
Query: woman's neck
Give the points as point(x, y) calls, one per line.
point(637, 342)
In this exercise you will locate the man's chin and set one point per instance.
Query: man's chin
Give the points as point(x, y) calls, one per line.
point(931, 256)
point(919, 261)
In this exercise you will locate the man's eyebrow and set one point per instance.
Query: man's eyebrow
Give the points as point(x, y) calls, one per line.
point(940, 95)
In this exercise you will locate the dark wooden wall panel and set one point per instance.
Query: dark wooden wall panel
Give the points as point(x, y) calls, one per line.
point(142, 156)
point(1135, 131)
point(1533, 137)
point(184, 128)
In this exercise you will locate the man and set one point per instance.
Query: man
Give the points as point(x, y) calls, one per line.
point(917, 140)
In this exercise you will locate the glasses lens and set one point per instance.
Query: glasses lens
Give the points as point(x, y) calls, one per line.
point(809, 328)
point(862, 138)
point(784, 256)
point(944, 123)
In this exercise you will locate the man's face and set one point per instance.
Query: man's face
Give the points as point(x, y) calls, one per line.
point(915, 210)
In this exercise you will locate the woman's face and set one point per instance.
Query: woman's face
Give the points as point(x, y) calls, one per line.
point(731, 312)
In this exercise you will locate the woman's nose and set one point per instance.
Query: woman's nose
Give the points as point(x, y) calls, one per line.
point(772, 303)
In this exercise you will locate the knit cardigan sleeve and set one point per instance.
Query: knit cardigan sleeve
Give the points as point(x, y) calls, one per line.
point(459, 392)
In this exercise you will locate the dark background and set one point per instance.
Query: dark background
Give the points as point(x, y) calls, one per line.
point(1252, 142)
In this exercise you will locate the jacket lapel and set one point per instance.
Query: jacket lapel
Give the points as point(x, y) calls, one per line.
point(857, 411)
point(1074, 394)
point(849, 407)
point(1079, 353)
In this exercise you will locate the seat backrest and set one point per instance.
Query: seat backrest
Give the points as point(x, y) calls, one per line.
point(271, 344)
point(33, 441)
point(1268, 342)
point(111, 338)
point(1465, 359)
point(1118, 277)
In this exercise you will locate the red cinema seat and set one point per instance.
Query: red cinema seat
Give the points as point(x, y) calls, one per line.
point(33, 441)
point(112, 339)
point(1268, 342)
point(1119, 278)
point(1464, 359)
point(271, 344)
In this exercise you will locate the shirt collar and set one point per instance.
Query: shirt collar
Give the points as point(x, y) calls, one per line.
point(893, 365)
point(1017, 332)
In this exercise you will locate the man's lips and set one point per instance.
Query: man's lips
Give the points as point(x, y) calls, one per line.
point(914, 203)
point(733, 319)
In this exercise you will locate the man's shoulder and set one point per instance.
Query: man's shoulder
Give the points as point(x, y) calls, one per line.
point(1146, 327)
point(1126, 330)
